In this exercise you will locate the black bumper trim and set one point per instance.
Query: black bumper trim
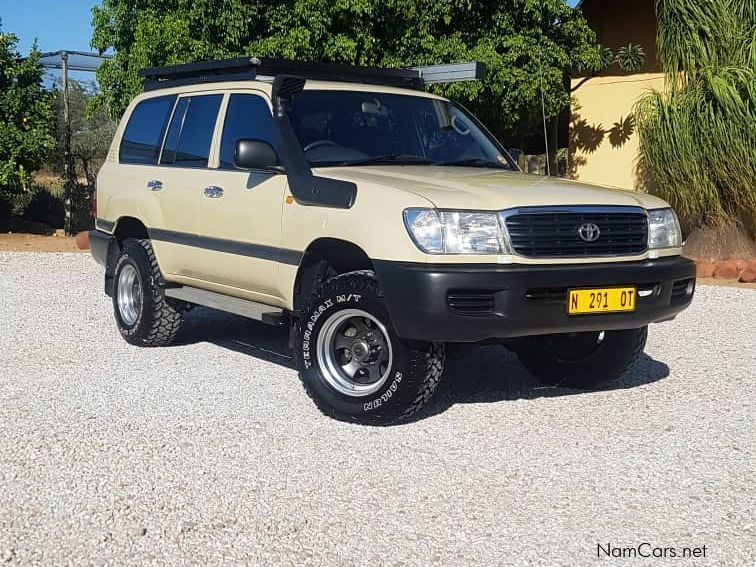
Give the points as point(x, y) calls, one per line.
point(417, 297)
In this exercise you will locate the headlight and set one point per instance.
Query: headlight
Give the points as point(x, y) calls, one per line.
point(663, 229)
point(455, 232)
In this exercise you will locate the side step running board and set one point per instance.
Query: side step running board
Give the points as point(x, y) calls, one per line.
point(250, 309)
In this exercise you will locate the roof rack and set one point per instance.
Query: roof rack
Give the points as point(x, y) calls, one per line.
point(249, 68)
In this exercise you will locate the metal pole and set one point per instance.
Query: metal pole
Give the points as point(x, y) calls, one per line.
point(67, 169)
point(543, 113)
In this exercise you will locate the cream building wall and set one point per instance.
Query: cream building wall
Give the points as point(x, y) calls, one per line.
point(603, 137)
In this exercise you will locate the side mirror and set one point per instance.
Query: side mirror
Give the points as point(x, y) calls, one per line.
point(255, 154)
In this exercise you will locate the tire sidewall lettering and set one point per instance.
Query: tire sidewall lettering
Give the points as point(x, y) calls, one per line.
point(317, 313)
point(309, 330)
point(386, 396)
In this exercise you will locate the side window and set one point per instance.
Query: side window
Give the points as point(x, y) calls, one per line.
point(144, 131)
point(248, 117)
point(171, 140)
point(191, 132)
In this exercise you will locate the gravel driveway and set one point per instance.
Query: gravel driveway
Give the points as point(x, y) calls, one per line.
point(210, 452)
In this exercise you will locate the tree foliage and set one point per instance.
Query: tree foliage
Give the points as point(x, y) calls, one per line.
point(26, 118)
point(629, 58)
point(698, 137)
point(517, 39)
point(92, 130)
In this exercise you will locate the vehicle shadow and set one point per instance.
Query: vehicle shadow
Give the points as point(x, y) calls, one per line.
point(236, 333)
point(485, 374)
point(490, 374)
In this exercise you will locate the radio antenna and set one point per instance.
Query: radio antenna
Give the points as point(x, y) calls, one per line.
point(543, 113)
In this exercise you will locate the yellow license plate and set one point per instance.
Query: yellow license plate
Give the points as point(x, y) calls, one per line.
point(610, 300)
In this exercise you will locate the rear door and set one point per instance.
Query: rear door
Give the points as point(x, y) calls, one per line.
point(140, 188)
point(240, 211)
point(184, 162)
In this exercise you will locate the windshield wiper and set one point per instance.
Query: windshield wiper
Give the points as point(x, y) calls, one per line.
point(390, 159)
point(474, 162)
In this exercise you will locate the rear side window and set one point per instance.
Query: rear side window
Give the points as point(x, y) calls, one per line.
point(248, 118)
point(191, 132)
point(144, 132)
point(171, 140)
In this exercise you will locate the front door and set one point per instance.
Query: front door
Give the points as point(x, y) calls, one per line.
point(240, 211)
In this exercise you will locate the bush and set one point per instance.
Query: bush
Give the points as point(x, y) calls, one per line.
point(39, 206)
point(698, 140)
point(698, 143)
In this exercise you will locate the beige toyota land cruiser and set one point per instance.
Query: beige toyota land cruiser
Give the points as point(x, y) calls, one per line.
point(381, 223)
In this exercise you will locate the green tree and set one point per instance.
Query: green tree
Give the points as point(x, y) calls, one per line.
point(629, 58)
point(698, 136)
point(92, 130)
point(26, 119)
point(519, 40)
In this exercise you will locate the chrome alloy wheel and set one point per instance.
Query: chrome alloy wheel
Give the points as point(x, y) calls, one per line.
point(354, 352)
point(129, 294)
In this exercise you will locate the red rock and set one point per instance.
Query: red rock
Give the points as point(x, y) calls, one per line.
point(748, 275)
point(728, 269)
point(82, 240)
point(704, 268)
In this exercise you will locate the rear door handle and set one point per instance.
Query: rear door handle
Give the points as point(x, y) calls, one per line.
point(213, 192)
point(155, 185)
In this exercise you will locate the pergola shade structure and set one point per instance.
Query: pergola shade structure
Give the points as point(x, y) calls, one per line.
point(76, 60)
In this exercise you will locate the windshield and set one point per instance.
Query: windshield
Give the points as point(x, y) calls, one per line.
point(340, 128)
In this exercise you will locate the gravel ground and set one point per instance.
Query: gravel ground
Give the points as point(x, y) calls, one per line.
point(209, 452)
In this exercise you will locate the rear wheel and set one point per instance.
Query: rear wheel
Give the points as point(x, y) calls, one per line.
point(145, 317)
point(352, 363)
point(581, 360)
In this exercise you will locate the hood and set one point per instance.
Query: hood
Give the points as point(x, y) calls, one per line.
point(489, 189)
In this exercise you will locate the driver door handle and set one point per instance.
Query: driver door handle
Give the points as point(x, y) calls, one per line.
point(155, 185)
point(213, 192)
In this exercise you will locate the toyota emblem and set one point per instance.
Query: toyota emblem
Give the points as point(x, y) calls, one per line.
point(589, 232)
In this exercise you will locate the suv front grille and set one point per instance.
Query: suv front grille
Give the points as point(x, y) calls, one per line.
point(544, 232)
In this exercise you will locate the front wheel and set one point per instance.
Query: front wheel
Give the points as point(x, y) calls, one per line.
point(585, 361)
point(352, 363)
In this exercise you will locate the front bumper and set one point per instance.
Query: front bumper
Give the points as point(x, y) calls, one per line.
point(473, 303)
